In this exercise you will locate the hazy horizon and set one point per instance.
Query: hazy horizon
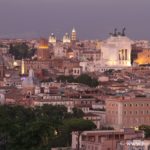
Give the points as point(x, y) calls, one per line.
point(93, 19)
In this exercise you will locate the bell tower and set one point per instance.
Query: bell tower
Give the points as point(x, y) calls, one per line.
point(73, 35)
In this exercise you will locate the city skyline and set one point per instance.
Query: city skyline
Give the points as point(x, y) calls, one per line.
point(92, 19)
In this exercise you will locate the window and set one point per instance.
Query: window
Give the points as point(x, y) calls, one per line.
point(130, 112)
point(136, 112)
point(142, 112)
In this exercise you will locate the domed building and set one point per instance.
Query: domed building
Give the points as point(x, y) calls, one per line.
point(66, 39)
point(52, 39)
point(43, 50)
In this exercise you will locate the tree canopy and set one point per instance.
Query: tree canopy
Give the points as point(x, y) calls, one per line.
point(21, 50)
point(146, 129)
point(83, 78)
point(39, 128)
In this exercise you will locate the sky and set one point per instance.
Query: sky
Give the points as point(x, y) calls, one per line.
point(93, 19)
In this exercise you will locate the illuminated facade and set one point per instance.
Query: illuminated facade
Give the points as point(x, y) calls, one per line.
point(52, 39)
point(116, 51)
point(73, 35)
point(43, 50)
point(66, 39)
point(143, 57)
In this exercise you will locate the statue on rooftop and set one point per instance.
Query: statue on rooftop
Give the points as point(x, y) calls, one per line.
point(123, 32)
point(115, 32)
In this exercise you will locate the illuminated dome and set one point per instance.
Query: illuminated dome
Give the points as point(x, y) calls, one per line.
point(73, 30)
point(15, 64)
point(66, 38)
point(52, 39)
point(43, 43)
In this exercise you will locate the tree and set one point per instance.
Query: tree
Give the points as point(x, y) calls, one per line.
point(18, 125)
point(63, 78)
point(21, 50)
point(78, 126)
point(38, 128)
point(146, 129)
point(86, 79)
point(77, 113)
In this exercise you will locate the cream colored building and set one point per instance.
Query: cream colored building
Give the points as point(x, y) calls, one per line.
point(116, 51)
point(115, 54)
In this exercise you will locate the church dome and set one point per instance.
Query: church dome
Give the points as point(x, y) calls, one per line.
point(66, 35)
point(66, 38)
point(52, 35)
point(52, 39)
